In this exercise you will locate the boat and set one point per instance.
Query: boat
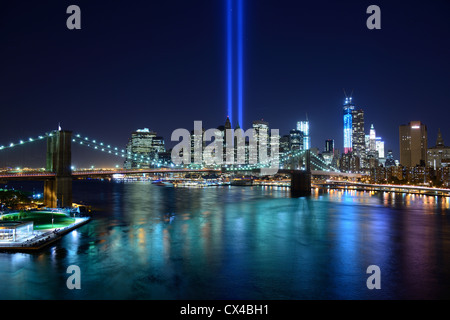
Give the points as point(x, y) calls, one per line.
point(163, 183)
point(241, 182)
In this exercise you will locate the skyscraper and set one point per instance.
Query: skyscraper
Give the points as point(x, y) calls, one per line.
point(379, 145)
point(439, 155)
point(141, 144)
point(390, 162)
point(328, 153)
point(372, 139)
point(348, 108)
point(296, 140)
point(413, 144)
point(303, 126)
point(329, 145)
point(358, 137)
point(261, 128)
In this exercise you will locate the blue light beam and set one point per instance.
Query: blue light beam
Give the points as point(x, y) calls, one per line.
point(230, 58)
point(240, 61)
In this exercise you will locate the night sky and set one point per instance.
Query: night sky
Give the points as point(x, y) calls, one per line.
point(162, 65)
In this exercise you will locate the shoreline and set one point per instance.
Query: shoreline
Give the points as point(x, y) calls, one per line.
point(43, 240)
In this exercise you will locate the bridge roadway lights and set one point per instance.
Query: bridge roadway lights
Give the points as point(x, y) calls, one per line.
point(58, 191)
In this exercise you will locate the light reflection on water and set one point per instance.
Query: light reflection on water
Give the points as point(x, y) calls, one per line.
point(150, 242)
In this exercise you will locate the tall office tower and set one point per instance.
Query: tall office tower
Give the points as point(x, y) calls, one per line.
point(358, 137)
point(284, 144)
point(390, 162)
point(372, 153)
point(329, 145)
point(227, 143)
point(348, 108)
point(413, 144)
point(439, 155)
point(296, 140)
point(197, 143)
point(158, 144)
point(379, 146)
point(328, 152)
point(303, 126)
point(261, 128)
point(372, 139)
point(141, 145)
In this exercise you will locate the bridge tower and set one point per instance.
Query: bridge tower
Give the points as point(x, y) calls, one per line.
point(301, 180)
point(58, 191)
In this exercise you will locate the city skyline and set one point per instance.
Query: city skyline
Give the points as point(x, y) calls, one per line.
point(294, 64)
point(235, 151)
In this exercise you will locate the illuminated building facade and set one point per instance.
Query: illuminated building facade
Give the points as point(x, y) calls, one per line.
point(143, 143)
point(439, 155)
point(348, 127)
point(358, 136)
point(296, 140)
point(261, 130)
point(303, 126)
point(413, 144)
point(329, 145)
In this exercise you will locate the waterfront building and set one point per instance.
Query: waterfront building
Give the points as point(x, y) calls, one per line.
point(439, 155)
point(15, 231)
point(141, 145)
point(413, 144)
point(443, 176)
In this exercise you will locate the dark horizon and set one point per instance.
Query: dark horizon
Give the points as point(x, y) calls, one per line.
point(162, 66)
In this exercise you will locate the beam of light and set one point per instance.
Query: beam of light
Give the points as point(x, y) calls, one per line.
point(240, 61)
point(230, 58)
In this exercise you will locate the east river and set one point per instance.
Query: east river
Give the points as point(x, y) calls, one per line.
point(153, 242)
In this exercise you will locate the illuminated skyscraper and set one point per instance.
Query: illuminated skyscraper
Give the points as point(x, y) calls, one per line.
point(358, 137)
point(413, 144)
point(296, 140)
point(380, 147)
point(142, 144)
point(261, 128)
point(348, 128)
point(439, 155)
point(303, 126)
point(372, 139)
point(329, 145)
point(328, 153)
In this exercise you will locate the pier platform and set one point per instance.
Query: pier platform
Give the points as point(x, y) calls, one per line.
point(42, 238)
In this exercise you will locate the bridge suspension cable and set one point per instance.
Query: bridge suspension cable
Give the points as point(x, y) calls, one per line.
point(23, 141)
point(120, 152)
